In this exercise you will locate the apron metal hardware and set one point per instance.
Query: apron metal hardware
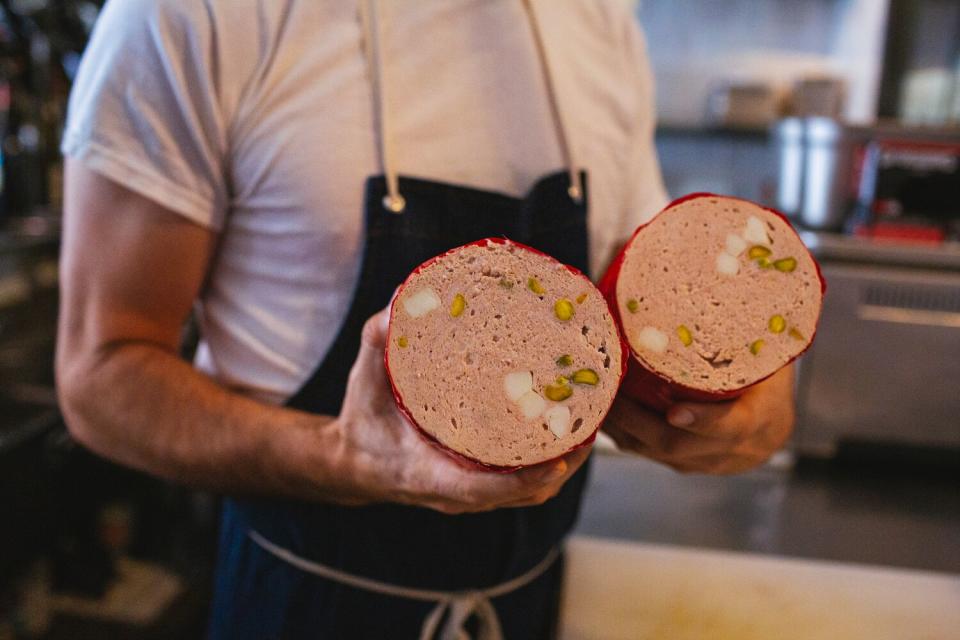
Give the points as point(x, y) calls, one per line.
point(394, 204)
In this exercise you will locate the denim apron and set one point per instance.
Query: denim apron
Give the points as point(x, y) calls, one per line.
point(291, 569)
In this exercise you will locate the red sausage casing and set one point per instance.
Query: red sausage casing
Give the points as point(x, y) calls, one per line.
point(713, 295)
point(503, 356)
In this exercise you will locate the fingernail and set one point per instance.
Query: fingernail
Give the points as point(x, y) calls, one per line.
point(554, 471)
point(681, 418)
point(384, 323)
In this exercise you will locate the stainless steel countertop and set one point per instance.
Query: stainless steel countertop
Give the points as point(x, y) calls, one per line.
point(837, 247)
point(820, 511)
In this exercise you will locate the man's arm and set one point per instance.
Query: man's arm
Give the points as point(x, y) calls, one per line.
point(131, 270)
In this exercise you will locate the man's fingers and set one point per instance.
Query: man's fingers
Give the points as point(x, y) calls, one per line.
point(728, 420)
point(368, 376)
point(546, 490)
point(630, 417)
point(675, 444)
point(493, 489)
point(626, 442)
point(636, 429)
point(738, 418)
point(457, 488)
point(555, 469)
point(374, 334)
point(484, 490)
point(373, 340)
point(574, 460)
point(720, 437)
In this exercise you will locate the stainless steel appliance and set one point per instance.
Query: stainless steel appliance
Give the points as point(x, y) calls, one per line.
point(814, 183)
point(905, 181)
point(789, 144)
point(827, 171)
point(826, 174)
point(885, 367)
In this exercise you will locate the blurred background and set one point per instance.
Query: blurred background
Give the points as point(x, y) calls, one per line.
point(844, 114)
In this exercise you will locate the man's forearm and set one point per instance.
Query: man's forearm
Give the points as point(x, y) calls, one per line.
point(144, 407)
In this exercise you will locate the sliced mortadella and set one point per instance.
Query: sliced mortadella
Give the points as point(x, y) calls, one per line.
point(713, 295)
point(502, 355)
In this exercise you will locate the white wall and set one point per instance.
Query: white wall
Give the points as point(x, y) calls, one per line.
point(697, 44)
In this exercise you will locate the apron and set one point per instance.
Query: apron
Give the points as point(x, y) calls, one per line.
point(290, 569)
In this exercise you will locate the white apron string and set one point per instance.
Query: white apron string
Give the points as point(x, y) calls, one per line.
point(370, 16)
point(563, 132)
point(459, 605)
point(372, 20)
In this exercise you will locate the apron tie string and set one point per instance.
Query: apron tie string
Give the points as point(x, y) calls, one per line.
point(460, 609)
point(372, 29)
point(459, 606)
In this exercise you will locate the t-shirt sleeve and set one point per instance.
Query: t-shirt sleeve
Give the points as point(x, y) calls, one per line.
point(646, 194)
point(144, 109)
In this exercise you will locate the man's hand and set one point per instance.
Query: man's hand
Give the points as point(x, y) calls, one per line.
point(383, 458)
point(719, 438)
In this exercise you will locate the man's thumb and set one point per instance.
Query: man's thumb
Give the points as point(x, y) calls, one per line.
point(368, 375)
point(374, 336)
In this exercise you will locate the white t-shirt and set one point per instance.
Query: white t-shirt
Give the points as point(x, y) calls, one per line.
point(254, 118)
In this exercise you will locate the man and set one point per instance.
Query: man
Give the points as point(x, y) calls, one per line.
point(254, 160)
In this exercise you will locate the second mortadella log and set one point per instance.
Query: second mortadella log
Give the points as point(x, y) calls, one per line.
point(712, 296)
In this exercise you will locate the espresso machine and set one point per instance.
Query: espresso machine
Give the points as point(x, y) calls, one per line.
point(880, 208)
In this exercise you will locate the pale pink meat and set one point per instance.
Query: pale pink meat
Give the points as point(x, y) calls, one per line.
point(670, 278)
point(449, 371)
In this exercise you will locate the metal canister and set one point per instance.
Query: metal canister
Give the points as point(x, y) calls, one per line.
point(827, 168)
point(789, 147)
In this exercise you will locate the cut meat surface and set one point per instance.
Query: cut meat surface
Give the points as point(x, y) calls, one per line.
point(517, 364)
point(715, 294)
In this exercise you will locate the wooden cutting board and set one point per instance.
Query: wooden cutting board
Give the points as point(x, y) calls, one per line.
point(619, 591)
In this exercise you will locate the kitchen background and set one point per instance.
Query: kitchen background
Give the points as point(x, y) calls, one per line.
point(845, 114)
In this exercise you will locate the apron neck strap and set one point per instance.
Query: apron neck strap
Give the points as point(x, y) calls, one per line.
point(371, 18)
point(576, 187)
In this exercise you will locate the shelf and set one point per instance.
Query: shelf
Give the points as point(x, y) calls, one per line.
point(844, 248)
point(759, 134)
